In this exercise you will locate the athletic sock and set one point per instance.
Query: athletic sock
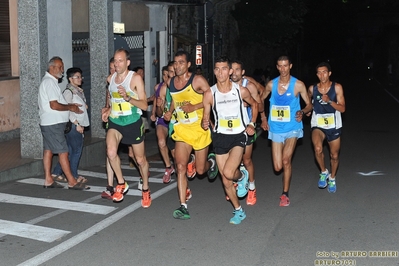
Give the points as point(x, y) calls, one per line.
point(252, 185)
point(285, 193)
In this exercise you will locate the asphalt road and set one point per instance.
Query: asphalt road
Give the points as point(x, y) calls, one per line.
point(62, 227)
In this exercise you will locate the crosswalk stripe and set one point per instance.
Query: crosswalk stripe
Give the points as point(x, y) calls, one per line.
point(41, 233)
point(132, 191)
point(56, 204)
point(75, 240)
point(153, 179)
point(160, 170)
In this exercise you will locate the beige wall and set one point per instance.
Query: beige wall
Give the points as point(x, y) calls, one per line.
point(135, 17)
point(10, 105)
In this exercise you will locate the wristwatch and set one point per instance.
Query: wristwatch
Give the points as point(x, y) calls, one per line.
point(329, 102)
point(251, 124)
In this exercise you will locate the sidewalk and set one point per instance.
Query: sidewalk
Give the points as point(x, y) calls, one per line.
point(13, 167)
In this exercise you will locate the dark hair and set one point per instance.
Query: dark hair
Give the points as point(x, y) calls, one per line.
point(111, 60)
point(138, 68)
point(324, 64)
point(182, 52)
point(223, 59)
point(236, 61)
point(284, 57)
point(124, 51)
point(165, 68)
point(170, 63)
point(72, 71)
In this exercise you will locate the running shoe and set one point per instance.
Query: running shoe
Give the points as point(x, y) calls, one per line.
point(120, 190)
point(191, 171)
point(213, 170)
point(284, 201)
point(188, 194)
point(167, 176)
point(146, 199)
point(181, 213)
point(238, 216)
point(108, 193)
point(323, 179)
point(332, 186)
point(251, 198)
point(242, 183)
point(140, 184)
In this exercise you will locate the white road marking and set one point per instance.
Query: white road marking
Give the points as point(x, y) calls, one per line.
point(75, 240)
point(56, 204)
point(41, 233)
point(160, 170)
point(96, 189)
point(152, 179)
point(371, 173)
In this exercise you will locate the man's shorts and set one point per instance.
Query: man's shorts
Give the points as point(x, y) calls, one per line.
point(170, 143)
point(223, 143)
point(194, 135)
point(251, 139)
point(281, 137)
point(54, 138)
point(331, 134)
point(132, 133)
point(161, 122)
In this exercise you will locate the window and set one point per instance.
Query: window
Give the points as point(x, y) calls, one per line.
point(5, 49)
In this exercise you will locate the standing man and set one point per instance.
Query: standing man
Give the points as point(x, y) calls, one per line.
point(231, 131)
point(54, 114)
point(328, 104)
point(128, 98)
point(237, 77)
point(187, 91)
point(285, 120)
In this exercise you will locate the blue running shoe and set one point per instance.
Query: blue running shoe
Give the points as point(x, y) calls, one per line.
point(242, 184)
point(332, 187)
point(323, 179)
point(213, 170)
point(238, 217)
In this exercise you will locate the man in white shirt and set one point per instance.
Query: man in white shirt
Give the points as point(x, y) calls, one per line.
point(54, 114)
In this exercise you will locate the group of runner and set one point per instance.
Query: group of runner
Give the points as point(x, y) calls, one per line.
point(202, 142)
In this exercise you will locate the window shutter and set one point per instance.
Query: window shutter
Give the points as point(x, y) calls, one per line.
point(5, 50)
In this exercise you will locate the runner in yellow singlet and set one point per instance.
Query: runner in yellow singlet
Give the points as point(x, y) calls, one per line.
point(187, 91)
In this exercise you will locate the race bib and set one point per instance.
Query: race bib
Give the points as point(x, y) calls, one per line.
point(186, 118)
point(280, 113)
point(120, 107)
point(229, 124)
point(326, 121)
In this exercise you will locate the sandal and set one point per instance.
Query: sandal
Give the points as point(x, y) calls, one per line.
point(59, 178)
point(79, 186)
point(54, 185)
point(82, 180)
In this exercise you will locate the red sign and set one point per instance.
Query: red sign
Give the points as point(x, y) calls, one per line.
point(198, 55)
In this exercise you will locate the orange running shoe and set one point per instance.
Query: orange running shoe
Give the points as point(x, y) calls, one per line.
point(120, 190)
point(146, 199)
point(251, 198)
point(284, 201)
point(191, 171)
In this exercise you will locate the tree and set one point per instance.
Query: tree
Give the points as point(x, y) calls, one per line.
point(272, 24)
